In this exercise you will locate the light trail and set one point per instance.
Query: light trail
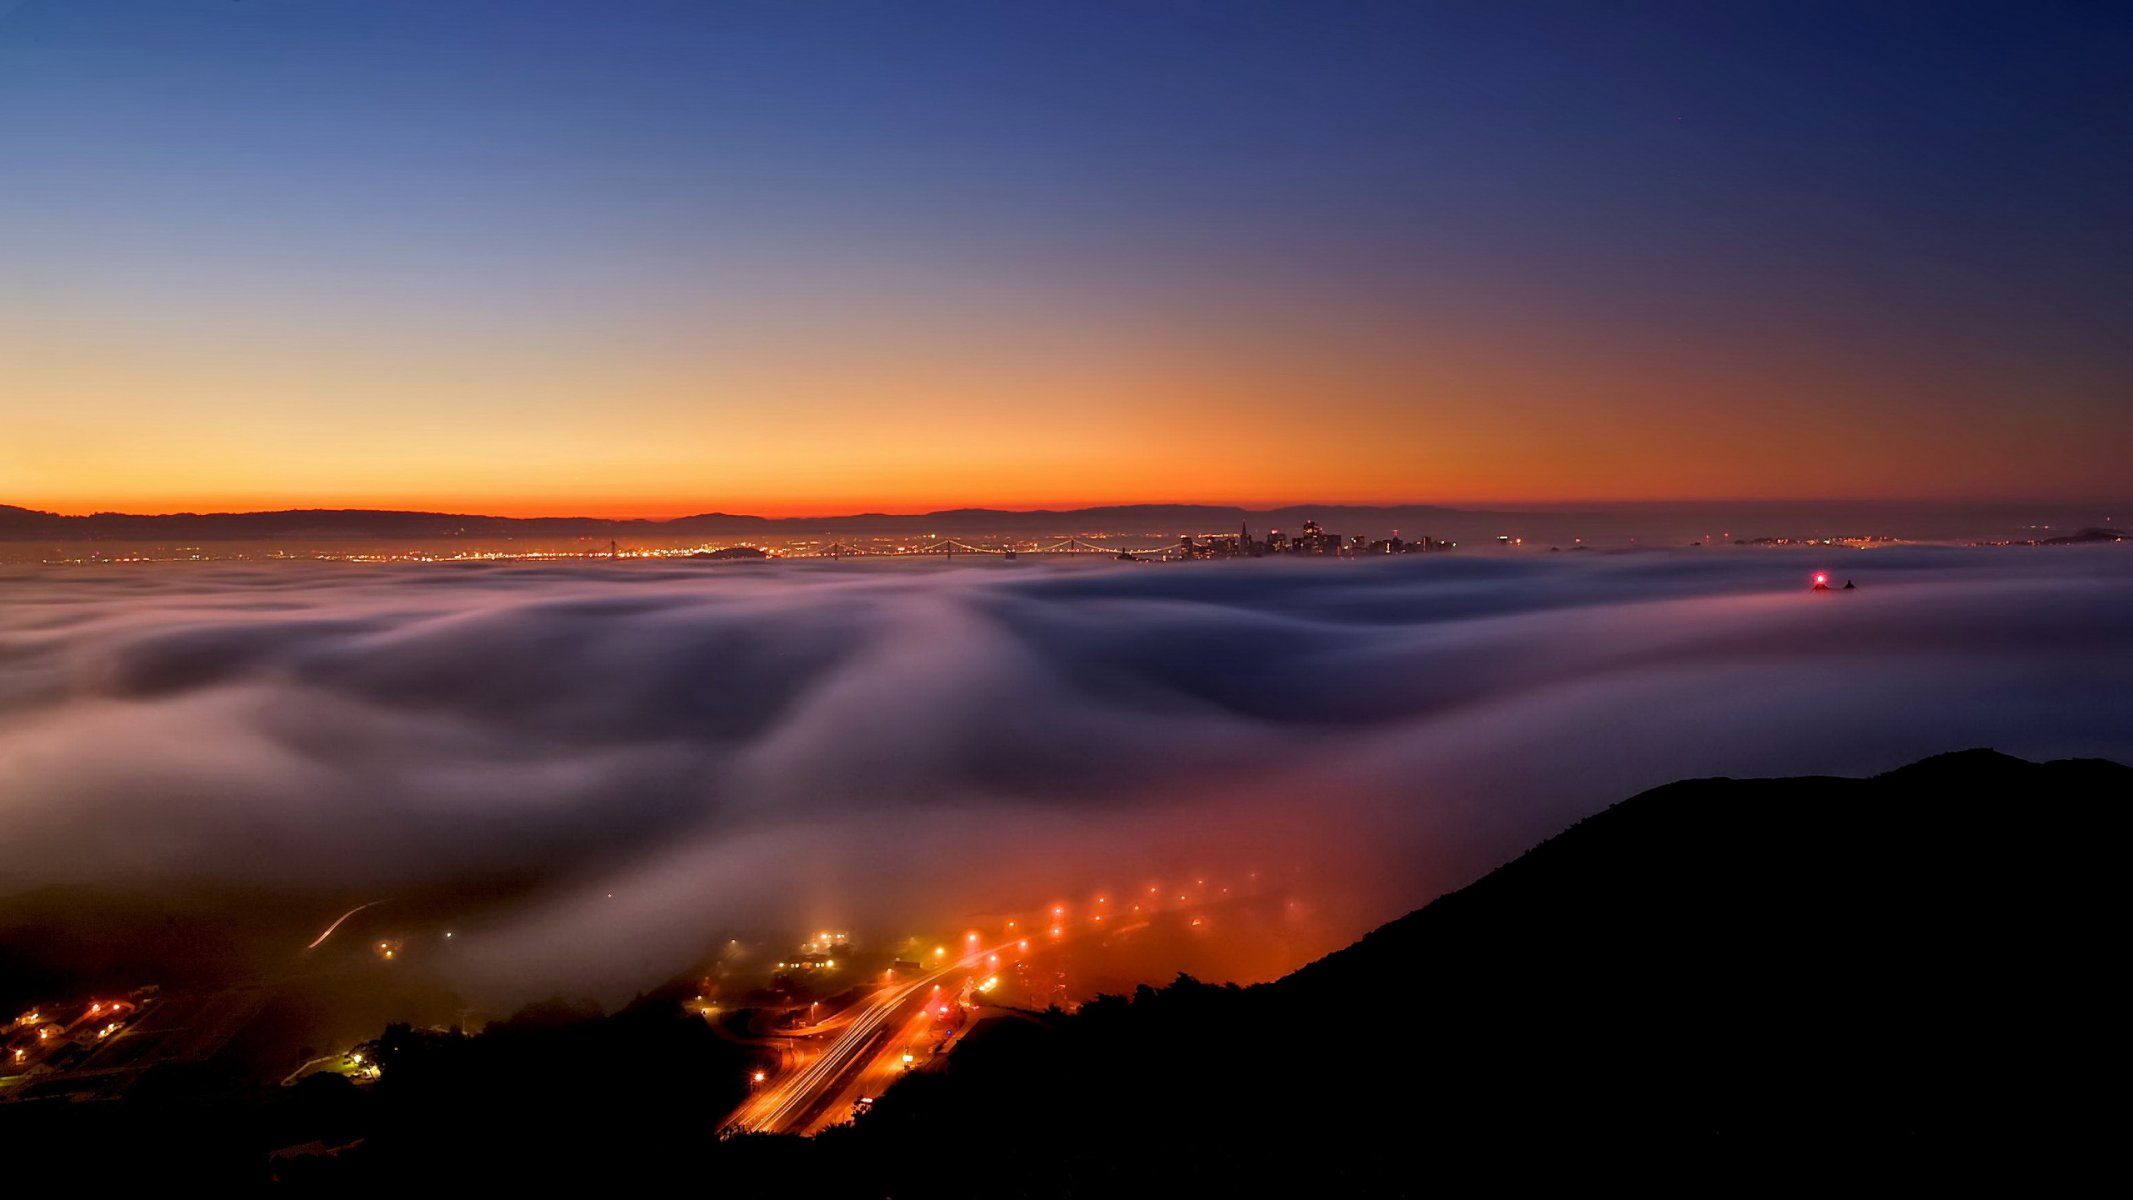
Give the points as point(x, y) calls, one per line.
point(788, 1104)
point(790, 1099)
point(321, 938)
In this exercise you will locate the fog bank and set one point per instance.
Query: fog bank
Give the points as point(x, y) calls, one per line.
point(771, 746)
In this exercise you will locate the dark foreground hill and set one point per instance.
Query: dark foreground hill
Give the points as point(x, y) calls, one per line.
point(1718, 984)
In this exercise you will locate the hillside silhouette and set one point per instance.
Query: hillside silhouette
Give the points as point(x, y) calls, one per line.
point(1717, 983)
point(1715, 980)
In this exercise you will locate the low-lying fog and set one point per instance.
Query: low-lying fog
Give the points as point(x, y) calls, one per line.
point(889, 746)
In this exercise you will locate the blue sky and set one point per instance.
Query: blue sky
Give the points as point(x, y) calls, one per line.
point(667, 220)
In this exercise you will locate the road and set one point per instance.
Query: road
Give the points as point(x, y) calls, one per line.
point(874, 1068)
point(860, 1051)
point(862, 1047)
point(321, 938)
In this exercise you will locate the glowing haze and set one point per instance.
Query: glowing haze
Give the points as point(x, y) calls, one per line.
point(659, 754)
point(654, 258)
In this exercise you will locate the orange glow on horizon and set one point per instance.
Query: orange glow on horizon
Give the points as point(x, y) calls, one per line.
point(1258, 418)
point(667, 509)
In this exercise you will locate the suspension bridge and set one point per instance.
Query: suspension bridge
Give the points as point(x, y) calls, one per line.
point(950, 547)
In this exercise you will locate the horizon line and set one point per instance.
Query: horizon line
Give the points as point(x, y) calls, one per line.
point(1565, 506)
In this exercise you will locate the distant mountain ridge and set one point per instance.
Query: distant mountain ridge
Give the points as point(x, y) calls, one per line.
point(19, 523)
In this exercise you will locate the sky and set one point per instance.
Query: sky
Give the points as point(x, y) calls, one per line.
point(652, 258)
point(663, 753)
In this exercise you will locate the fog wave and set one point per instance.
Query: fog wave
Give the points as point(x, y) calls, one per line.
point(773, 745)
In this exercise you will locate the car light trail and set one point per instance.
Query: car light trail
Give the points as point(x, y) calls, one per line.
point(321, 938)
point(788, 1100)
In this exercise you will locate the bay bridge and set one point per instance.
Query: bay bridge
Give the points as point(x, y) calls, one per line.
point(950, 547)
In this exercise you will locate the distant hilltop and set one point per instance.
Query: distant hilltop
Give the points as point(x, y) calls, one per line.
point(2086, 536)
point(23, 524)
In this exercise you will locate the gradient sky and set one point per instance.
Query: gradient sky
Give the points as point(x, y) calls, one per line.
point(652, 258)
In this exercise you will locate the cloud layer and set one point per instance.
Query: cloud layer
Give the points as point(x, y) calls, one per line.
point(877, 744)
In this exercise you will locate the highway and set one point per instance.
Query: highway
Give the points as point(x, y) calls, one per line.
point(874, 1069)
point(859, 1051)
point(802, 1099)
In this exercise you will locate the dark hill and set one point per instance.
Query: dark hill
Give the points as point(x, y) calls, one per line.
point(1718, 985)
point(1906, 974)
